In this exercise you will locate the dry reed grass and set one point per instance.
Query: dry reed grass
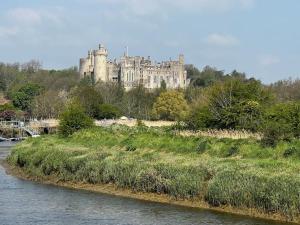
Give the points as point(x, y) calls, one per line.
point(232, 134)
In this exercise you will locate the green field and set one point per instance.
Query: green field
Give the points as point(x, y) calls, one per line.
point(221, 172)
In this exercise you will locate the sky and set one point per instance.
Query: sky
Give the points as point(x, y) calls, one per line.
point(258, 37)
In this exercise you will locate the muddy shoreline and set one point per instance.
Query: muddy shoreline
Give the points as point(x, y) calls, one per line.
point(111, 189)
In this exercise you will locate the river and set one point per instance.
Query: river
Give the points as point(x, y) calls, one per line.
point(29, 203)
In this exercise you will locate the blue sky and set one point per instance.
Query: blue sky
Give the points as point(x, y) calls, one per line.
point(259, 37)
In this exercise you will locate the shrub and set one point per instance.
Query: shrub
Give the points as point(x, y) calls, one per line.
point(7, 106)
point(271, 136)
point(89, 97)
point(73, 119)
point(281, 123)
point(107, 111)
point(8, 115)
point(130, 148)
point(199, 118)
point(150, 180)
point(268, 193)
point(289, 152)
point(203, 146)
point(232, 150)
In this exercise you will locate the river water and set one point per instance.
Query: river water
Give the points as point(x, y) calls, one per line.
point(29, 203)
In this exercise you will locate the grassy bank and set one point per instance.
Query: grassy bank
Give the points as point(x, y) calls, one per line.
point(220, 172)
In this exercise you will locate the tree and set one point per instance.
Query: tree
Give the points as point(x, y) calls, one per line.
point(22, 99)
point(73, 119)
point(31, 66)
point(287, 90)
point(206, 77)
point(192, 71)
point(138, 103)
point(235, 103)
point(170, 105)
point(89, 98)
point(230, 101)
point(193, 94)
point(199, 118)
point(107, 111)
point(87, 80)
point(111, 92)
point(281, 122)
point(48, 104)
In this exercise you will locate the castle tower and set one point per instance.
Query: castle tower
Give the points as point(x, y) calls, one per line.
point(100, 64)
point(91, 61)
point(83, 66)
point(182, 72)
point(91, 57)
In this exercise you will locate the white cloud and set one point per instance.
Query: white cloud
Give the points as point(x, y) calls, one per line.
point(32, 17)
point(268, 60)
point(223, 40)
point(24, 16)
point(8, 31)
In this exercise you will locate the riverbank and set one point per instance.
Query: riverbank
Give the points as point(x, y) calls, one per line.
point(237, 176)
point(112, 189)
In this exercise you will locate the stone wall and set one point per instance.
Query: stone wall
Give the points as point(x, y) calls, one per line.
point(132, 71)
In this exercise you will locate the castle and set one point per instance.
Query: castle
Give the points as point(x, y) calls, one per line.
point(133, 71)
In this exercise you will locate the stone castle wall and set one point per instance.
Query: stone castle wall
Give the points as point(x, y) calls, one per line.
point(133, 71)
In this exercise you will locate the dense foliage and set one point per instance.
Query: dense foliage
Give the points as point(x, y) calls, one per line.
point(170, 105)
point(107, 111)
point(282, 122)
point(89, 98)
point(232, 104)
point(24, 96)
point(37, 92)
point(73, 119)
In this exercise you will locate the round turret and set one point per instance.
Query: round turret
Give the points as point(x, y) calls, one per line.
point(83, 67)
point(100, 64)
point(102, 51)
point(82, 60)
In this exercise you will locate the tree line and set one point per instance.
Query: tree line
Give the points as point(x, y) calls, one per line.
point(213, 100)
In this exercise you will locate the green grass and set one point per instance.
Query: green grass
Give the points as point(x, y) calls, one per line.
point(238, 173)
